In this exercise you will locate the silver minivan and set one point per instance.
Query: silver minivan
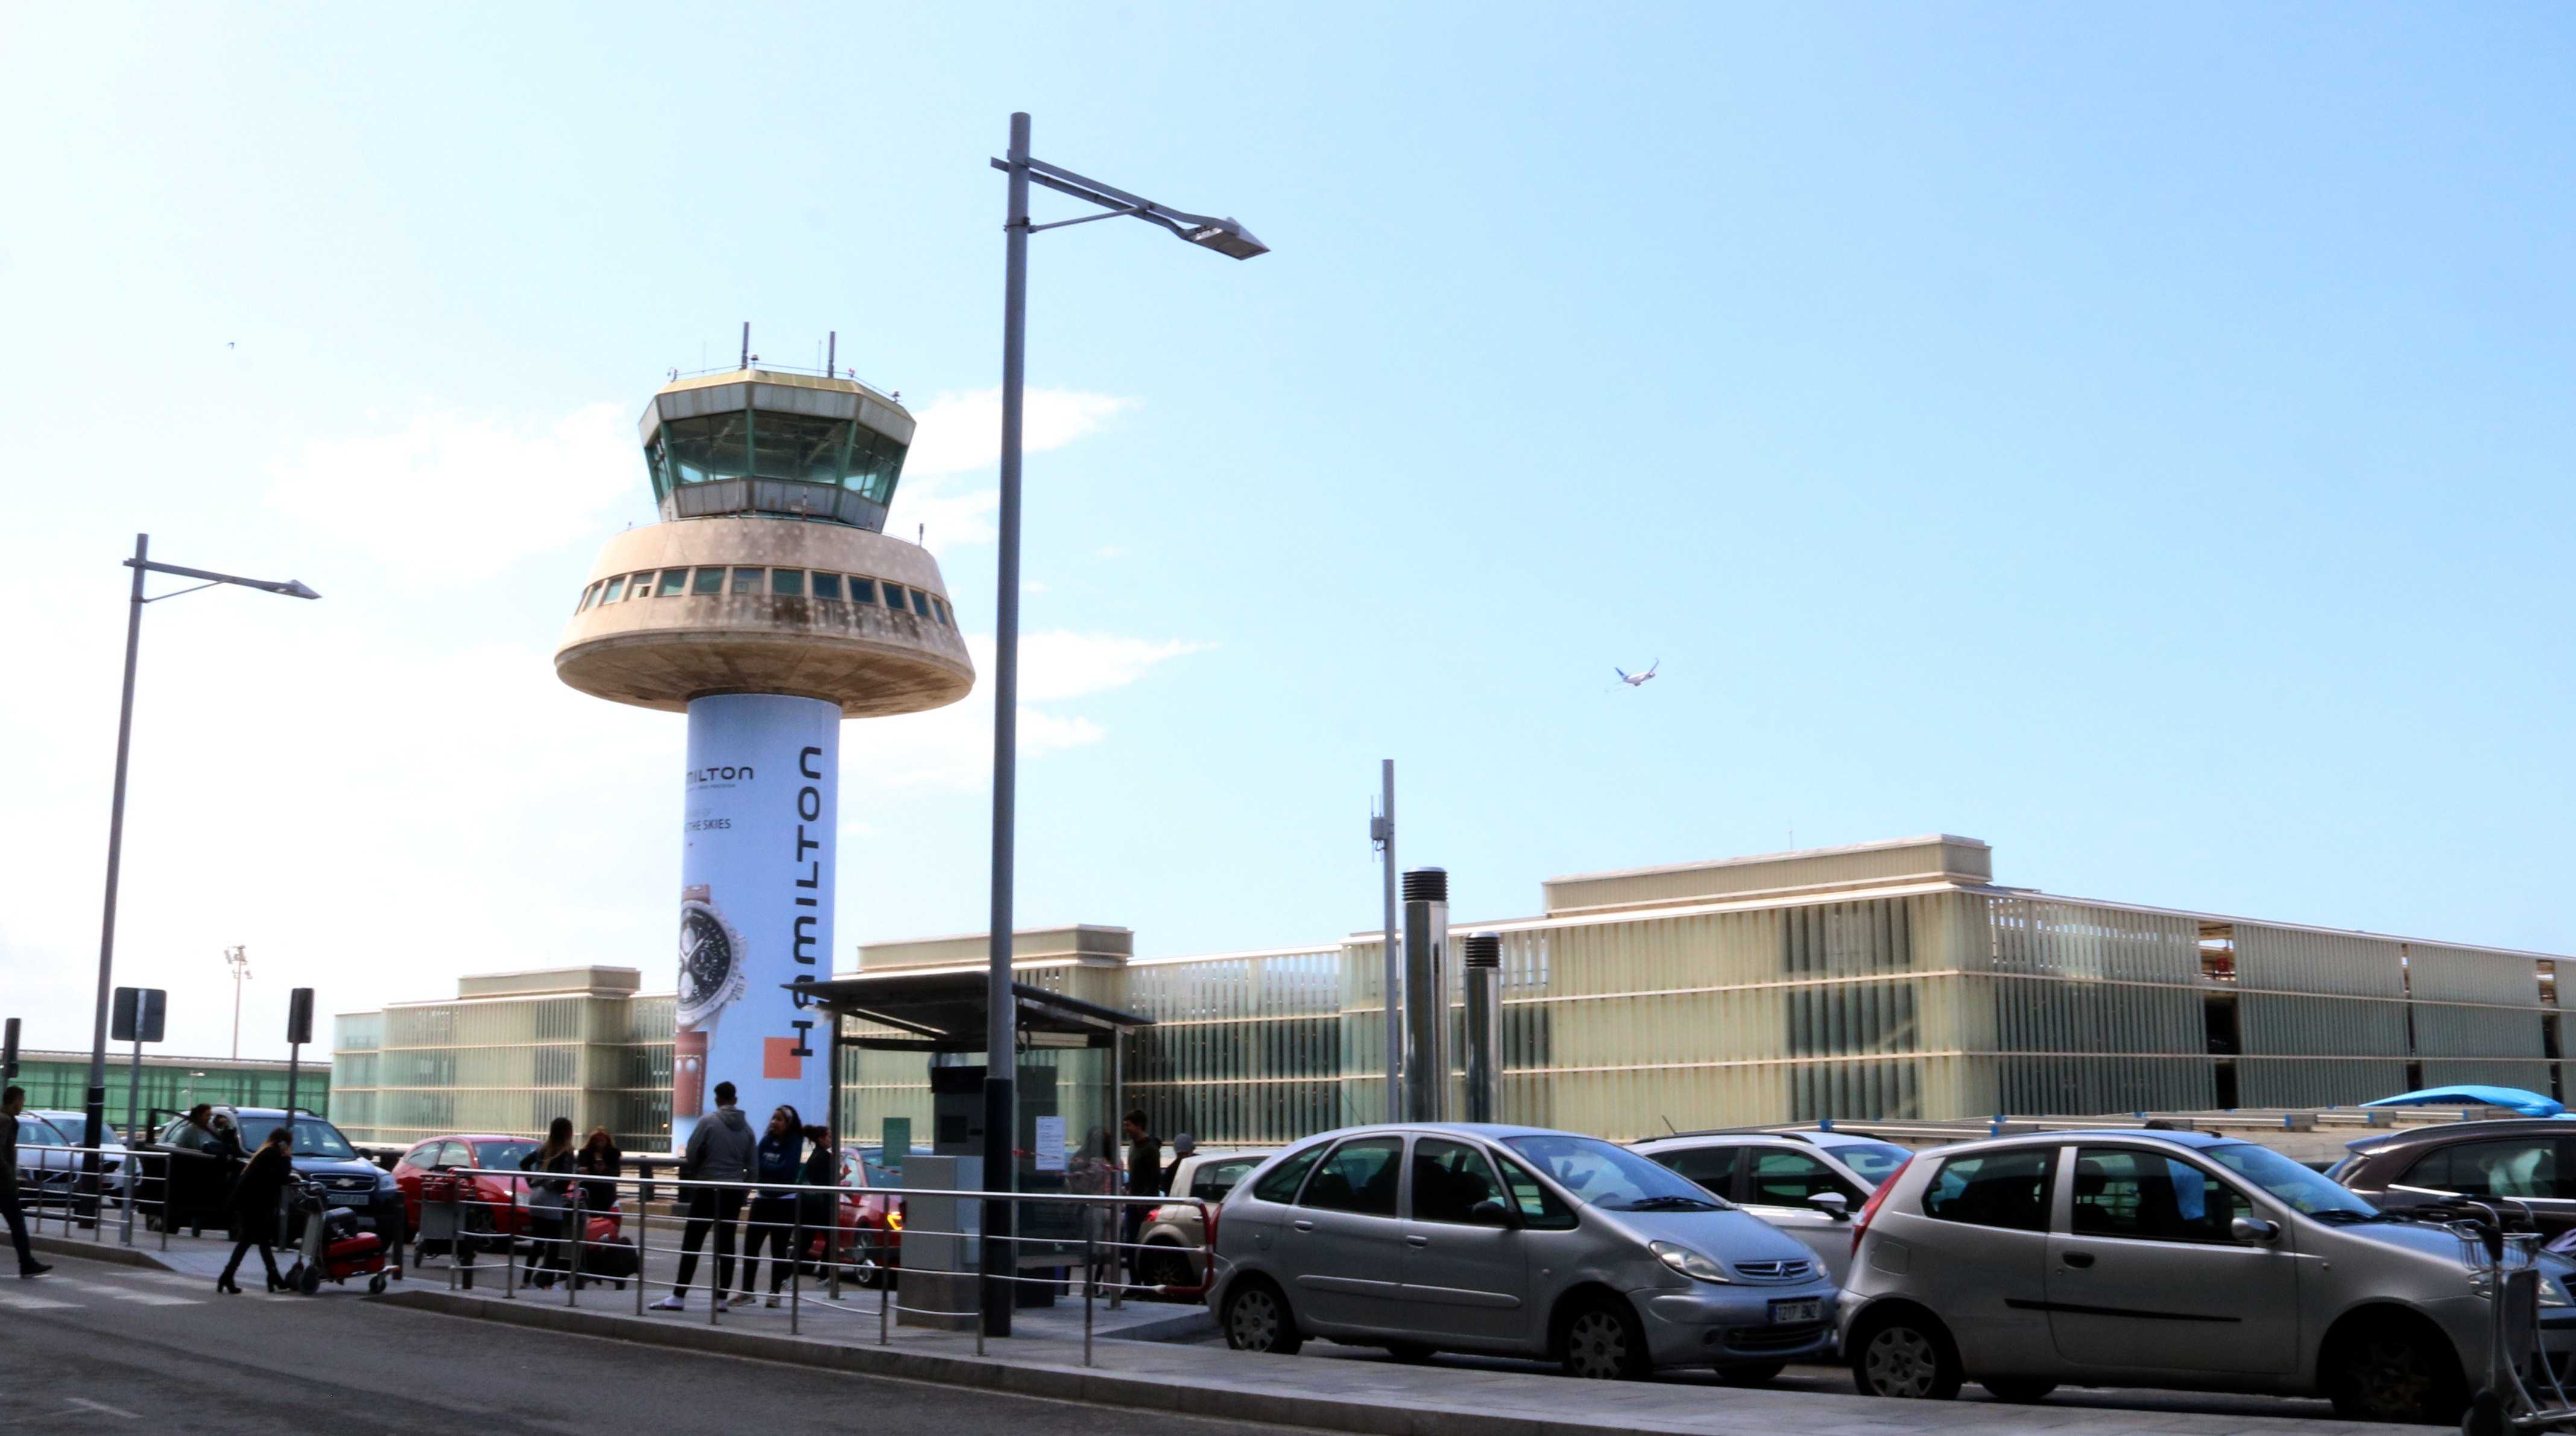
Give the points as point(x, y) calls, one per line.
point(1511, 1240)
point(2165, 1259)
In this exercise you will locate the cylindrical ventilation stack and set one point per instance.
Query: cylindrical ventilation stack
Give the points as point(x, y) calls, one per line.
point(1426, 995)
point(1480, 960)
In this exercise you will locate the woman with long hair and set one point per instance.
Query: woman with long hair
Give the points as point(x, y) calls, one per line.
point(779, 1167)
point(550, 1202)
point(599, 1158)
point(254, 1204)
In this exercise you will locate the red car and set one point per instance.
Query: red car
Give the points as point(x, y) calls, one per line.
point(871, 1226)
point(493, 1204)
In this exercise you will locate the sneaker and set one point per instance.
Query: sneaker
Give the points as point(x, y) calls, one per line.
point(670, 1303)
point(773, 1301)
point(741, 1298)
point(35, 1269)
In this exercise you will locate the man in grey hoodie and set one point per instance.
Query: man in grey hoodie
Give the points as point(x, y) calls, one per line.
point(720, 1150)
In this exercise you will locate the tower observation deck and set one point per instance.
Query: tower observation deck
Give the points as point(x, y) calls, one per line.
point(768, 605)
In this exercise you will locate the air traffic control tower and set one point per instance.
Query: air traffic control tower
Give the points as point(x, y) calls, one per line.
point(768, 605)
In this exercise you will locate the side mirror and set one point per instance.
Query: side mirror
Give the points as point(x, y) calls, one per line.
point(2253, 1229)
point(1832, 1204)
point(1490, 1213)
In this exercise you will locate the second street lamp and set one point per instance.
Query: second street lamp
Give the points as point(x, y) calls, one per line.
point(94, 1105)
point(1001, 1036)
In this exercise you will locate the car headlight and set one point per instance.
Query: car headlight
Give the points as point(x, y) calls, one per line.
point(2553, 1290)
point(1689, 1263)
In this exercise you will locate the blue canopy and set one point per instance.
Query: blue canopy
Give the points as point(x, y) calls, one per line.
point(2529, 1104)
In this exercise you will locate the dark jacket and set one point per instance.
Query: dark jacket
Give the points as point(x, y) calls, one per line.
point(781, 1163)
point(720, 1148)
point(599, 1196)
point(8, 1157)
point(1145, 1167)
point(561, 1162)
point(255, 1190)
point(822, 1173)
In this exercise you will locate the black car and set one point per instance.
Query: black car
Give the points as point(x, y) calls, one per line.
point(2532, 1162)
point(320, 1152)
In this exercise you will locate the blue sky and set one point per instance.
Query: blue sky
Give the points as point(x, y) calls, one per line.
point(2135, 436)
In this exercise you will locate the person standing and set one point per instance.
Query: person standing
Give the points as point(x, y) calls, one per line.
point(781, 1162)
point(720, 1150)
point(254, 1204)
point(10, 1102)
point(1144, 1177)
point(822, 1196)
point(550, 1202)
point(600, 1160)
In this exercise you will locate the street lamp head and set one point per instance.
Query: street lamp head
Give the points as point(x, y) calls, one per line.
point(1226, 237)
point(292, 588)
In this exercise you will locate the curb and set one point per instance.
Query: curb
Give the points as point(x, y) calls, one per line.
point(1062, 1383)
point(97, 1251)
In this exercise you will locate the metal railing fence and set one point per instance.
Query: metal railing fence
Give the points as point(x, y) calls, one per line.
point(551, 1237)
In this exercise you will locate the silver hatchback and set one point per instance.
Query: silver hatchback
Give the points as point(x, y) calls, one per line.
point(2164, 1259)
point(1511, 1240)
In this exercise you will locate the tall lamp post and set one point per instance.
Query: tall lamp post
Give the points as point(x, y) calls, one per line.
point(94, 1105)
point(238, 959)
point(1001, 1056)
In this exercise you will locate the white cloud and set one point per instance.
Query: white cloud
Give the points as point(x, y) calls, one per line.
point(963, 431)
point(1068, 665)
point(952, 747)
point(424, 495)
point(948, 486)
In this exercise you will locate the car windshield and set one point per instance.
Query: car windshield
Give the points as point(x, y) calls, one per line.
point(1872, 1162)
point(2302, 1187)
point(501, 1156)
point(313, 1136)
point(1612, 1177)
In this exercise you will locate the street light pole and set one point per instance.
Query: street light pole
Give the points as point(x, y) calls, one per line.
point(94, 1101)
point(238, 959)
point(1001, 1035)
point(1001, 1005)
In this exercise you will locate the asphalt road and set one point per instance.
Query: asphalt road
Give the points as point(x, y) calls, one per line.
point(99, 1349)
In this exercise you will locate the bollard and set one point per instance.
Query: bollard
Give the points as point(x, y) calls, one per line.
point(580, 1244)
point(510, 1258)
point(885, 1302)
point(1090, 1283)
point(796, 1269)
point(643, 1244)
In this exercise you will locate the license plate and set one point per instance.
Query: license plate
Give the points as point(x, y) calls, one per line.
point(359, 1199)
point(1797, 1311)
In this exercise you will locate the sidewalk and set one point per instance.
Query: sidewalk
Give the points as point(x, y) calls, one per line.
point(1167, 1370)
point(1166, 1357)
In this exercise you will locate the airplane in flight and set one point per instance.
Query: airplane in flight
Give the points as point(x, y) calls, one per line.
point(1637, 680)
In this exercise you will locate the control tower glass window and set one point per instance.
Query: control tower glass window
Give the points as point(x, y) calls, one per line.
point(759, 443)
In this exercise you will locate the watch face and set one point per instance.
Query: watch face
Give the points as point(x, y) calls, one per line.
point(711, 972)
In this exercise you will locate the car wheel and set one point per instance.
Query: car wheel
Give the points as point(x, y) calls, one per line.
point(1604, 1342)
point(2389, 1373)
point(1757, 1373)
point(1163, 1265)
point(1257, 1318)
point(2019, 1390)
point(1905, 1356)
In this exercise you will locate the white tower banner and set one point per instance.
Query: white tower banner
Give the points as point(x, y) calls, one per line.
point(763, 800)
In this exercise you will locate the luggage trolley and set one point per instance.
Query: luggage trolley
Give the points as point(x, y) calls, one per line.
point(2522, 1391)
